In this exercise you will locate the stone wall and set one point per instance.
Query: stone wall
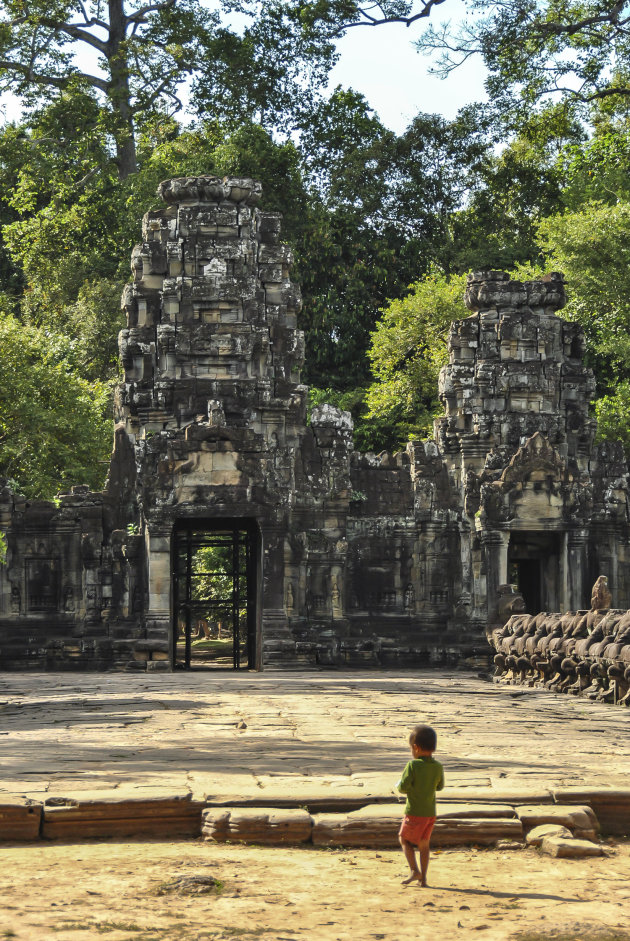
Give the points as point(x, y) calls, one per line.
point(359, 558)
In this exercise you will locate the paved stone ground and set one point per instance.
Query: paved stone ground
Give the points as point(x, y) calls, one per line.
point(299, 736)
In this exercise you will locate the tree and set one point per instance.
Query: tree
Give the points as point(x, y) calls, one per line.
point(143, 52)
point(380, 216)
point(143, 55)
point(515, 187)
point(55, 427)
point(575, 49)
point(408, 350)
point(592, 247)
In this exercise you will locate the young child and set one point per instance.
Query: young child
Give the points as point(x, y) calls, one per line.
point(422, 777)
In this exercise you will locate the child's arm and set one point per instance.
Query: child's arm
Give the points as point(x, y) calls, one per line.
point(404, 784)
point(440, 784)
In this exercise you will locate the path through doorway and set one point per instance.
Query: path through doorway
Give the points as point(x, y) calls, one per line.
point(214, 595)
point(534, 567)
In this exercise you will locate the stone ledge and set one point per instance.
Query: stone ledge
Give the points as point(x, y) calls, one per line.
point(261, 825)
point(84, 818)
point(20, 819)
point(580, 820)
point(611, 806)
point(359, 823)
point(374, 826)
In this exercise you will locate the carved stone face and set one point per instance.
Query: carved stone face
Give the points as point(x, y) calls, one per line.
point(517, 605)
point(601, 597)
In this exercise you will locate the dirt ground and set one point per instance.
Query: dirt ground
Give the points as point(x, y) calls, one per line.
point(161, 891)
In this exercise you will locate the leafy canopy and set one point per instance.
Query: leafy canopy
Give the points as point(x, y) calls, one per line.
point(54, 426)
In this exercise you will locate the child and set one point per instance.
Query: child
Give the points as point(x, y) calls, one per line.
point(422, 777)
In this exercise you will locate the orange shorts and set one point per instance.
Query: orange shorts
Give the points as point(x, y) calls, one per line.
point(416, 829)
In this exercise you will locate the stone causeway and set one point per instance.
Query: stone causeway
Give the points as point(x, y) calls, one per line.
point(300, 757)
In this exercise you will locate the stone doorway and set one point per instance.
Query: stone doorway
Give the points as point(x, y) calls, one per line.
point(214, 595)
point(534, 567)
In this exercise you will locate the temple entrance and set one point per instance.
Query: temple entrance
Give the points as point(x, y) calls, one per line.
point(214, 595)
point(534, 567)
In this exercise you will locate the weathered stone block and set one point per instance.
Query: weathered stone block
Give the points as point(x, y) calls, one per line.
point(536, 835)
point(570, 849)
point(257, 825)
point(82, 818)
point(579, 820)
point(20, 819)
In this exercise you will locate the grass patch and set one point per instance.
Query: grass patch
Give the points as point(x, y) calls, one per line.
point(191, 885)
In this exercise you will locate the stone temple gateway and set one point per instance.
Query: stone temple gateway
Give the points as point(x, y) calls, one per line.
point(231, 527)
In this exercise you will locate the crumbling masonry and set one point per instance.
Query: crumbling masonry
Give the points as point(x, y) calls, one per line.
point(349, 558)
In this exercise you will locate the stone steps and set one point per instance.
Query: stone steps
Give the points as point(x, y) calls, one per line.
point(375, 824)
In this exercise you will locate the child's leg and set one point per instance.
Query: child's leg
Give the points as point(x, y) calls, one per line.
point(410, 855)
point(424, 852)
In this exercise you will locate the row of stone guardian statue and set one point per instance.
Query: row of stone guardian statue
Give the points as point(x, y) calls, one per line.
point(580, 652)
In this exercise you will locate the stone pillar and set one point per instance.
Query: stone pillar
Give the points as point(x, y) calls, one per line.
point(575, 599)
point(159, 619)
point(496, 551)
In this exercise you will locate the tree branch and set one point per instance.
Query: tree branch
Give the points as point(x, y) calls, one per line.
point(91, 20)
point(76, 32)
point(570, 29)
point(72, 29)
point(369, 20)
point(57, 81)
point(139, 15)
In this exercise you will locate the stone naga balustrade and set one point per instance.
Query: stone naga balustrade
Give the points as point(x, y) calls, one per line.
point(580, 652)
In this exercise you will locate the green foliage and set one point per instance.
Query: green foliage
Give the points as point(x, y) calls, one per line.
point(592, 247)
point(379, 215)
point(3, 549)
point(600, 169)
point(515, 188)
point(613, 415)
point(54, 425)
point(408, 350)
point(269, 73)
point(537, 50)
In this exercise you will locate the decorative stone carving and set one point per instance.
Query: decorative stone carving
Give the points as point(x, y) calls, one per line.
point(580, 652)
point(360, 558)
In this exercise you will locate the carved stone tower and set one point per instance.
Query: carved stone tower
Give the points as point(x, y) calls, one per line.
point(517, 439)
point(211, 400)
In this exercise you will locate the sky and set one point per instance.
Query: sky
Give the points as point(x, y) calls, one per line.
point(382, 63)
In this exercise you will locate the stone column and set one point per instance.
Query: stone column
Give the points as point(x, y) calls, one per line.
point(576, 567)
point(159, 620)
point(496, 550)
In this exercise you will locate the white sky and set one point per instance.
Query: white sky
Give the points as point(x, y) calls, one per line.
point(382, 64)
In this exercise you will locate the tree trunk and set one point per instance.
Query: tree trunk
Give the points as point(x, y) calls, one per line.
point(119, 91)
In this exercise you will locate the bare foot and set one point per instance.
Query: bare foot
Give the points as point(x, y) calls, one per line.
point(414, 877)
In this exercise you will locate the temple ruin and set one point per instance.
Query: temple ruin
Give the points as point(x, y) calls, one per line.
point(234, 532)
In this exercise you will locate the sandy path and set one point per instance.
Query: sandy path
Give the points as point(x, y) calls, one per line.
point(116, 892)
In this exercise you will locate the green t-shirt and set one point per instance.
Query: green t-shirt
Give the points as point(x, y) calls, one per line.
point(420, 780)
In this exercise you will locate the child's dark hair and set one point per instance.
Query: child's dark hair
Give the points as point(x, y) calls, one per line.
point(424, 737)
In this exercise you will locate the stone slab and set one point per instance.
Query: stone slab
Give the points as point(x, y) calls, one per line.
point(610, 805)
point(570, 849)
point(509, 796)
point(538, 834)
point(377, 826)
point(83, 818)
point(579, 820)
point(261, 825)
point(20, 819)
